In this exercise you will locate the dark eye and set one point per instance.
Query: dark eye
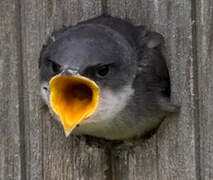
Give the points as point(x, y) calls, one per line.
point(102, 71)
point(55, 68)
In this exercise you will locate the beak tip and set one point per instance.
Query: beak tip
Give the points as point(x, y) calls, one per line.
point(67, 133)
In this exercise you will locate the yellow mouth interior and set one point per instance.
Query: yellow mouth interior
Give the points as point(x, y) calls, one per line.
point(73, 98)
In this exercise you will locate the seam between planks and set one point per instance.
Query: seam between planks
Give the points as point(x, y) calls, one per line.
point(104, 7)
point(196, 88)
point(108, 173)
point(20, 91)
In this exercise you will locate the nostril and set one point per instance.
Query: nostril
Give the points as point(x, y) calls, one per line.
point(45, 88)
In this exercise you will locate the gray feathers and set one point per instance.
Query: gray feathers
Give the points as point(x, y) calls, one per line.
point(135, 94)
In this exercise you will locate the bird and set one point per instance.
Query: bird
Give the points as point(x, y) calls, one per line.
point(106, 77)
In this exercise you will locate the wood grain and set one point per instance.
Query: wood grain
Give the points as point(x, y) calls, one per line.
point(176, 137)
point(33, 145)
point(10, 136)
point(49, 155)
point(174, 144)
point(204, 26)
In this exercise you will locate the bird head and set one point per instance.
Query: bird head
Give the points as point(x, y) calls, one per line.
point(82, 71)
point(107, 77)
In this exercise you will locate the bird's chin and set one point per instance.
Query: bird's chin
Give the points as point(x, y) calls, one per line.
point(102, 122)
point(106, 121)
point(110, 104)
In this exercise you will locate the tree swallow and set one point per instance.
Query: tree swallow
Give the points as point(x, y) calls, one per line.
point(106, 78)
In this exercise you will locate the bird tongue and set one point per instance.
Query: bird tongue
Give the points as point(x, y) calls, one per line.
point(73, 98)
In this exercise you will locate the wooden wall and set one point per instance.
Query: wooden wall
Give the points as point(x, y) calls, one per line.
point(33, 146)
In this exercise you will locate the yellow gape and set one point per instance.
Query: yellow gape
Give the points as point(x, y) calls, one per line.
point(73, 99)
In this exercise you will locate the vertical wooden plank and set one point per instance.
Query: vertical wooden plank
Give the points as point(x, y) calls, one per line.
point(176, 137)
point(10, 145)
point(174, 143)
point(30, 23)
point(204, 26)
point(135, 161)
point(139, 162)
point(50, 155)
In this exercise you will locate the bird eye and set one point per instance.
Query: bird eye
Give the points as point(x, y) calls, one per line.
point(102, 71)
point(55, 68)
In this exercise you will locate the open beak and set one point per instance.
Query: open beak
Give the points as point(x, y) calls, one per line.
point(73, 98)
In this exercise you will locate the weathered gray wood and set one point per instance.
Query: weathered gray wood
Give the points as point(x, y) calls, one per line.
point(204, 23)
point(176, 136)
point(10, 145)
point(33, 146)
point(49, 155)
point(135, 160)
point(172, 149)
